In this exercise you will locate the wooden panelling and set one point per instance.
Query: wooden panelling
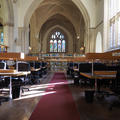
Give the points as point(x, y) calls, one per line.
point(7, 71)
point(9, 56)
point(67, 59)
point(105, 72)
point(31, 58)
point(16, 56)
point(101, 56)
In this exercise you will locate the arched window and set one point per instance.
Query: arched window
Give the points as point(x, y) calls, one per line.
point(51, 45)
point(57, 42)
point(114, 24)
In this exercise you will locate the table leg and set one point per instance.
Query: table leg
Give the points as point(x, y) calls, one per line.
point(95, 84)
point(10, 88)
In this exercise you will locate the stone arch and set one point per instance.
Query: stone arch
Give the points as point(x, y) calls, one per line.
point(61, 14)
point(35, 3)
point(84, 12)
point(98, 43)
point(38, 35)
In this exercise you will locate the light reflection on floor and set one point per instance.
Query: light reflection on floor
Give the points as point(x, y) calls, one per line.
point(39, 90)
point(35, 90)
point(36, 95)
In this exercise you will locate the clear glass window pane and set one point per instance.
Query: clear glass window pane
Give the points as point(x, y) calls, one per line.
point(114, 9)
point(119, 32)
point(62, 36)
point(58, 33)
point(114, 35)
point(111, 35)
point(52, 36)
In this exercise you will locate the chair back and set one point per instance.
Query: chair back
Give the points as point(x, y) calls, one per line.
point(23, 66)
point(37, 65)
point(2, 65)
point(116, 83)
point(76, 65)
point(85, 67)
point(99, 67)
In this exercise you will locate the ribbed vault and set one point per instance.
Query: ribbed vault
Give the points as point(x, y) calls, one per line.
point(63, 13)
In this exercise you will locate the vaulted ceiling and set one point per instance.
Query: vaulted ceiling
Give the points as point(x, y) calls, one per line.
point(62, 12)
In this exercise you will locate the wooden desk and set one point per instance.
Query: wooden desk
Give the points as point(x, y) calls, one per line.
point(12, 74)
point(99, 76)
point(44, 67)
point(35, 70)
point(77, 70)
point(105, 72)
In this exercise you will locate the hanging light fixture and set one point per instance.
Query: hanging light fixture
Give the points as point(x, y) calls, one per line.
point(30, 48)
point(78, 37)
point(82, 48)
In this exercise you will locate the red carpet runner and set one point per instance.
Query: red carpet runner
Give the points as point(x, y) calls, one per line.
point(58, 105)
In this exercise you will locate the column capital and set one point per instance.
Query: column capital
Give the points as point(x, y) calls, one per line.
point(8, 24)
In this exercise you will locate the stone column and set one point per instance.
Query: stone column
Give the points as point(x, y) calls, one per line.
point(40, 43)
point(92, 39)
point(86, 41)
point(23, 40)
point(26, 42)
point(20, 41)
point(8, 37)
point(80, 41)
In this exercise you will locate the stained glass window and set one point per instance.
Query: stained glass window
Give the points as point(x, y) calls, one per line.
point(1, 41)
point(57, 42)
point(55, 45)
point(51, 45)
point(59, 46)
point(63, 46)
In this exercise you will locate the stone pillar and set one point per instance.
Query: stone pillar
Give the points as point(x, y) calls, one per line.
point(20, 41)
point(23, 40)
point(8, 37)
point(26, 40)
point(92, 39)
point(40, 43)
point(86, 41)
point(80, 41)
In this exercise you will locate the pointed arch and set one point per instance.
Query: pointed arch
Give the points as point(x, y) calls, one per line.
point(35, 3)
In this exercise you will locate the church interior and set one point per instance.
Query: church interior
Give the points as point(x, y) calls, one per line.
point(59, 59)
